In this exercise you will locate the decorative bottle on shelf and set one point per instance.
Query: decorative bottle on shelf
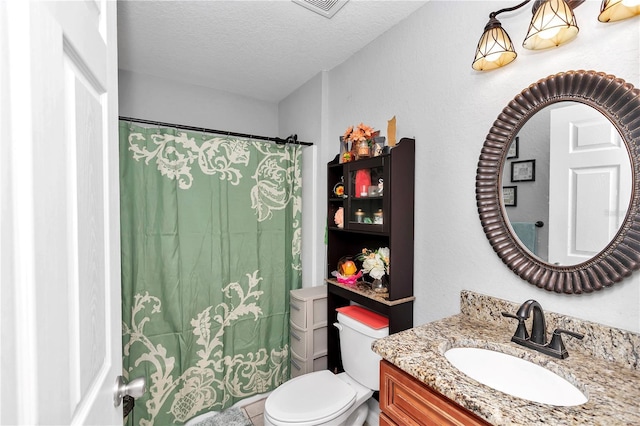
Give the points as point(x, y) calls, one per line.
point(379, 285)
point(362, 149)
point(377, 217)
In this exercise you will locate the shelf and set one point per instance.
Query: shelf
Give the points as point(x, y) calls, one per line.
point(364, 289)
point(377, 211)
point(399, 312)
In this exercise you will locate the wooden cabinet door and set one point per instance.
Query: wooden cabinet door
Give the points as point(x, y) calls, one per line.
point(408, 402)
point(385, 421)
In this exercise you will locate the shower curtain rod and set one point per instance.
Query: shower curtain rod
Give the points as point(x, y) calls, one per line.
point(293, 139)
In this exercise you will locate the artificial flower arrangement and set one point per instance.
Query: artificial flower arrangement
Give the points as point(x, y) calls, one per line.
point(375, 263)
point(361, 138)
point(359, 133)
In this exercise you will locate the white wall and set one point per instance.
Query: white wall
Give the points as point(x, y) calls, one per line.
point(157, 99)
point(449, 108)
point(533, 197)
point(309, 125)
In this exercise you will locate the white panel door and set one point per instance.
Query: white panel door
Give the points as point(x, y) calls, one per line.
point(591, 175)
point(60, 217)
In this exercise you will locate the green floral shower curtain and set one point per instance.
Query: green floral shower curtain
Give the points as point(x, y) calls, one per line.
point(210, 230)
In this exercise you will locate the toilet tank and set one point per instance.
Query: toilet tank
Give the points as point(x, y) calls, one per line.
point(358, 360)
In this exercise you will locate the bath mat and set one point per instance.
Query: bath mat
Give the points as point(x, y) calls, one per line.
point(230, 417)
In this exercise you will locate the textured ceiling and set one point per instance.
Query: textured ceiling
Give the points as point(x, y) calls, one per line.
point(259, 49)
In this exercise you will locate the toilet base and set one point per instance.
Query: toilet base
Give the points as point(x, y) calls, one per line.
point(358, 417)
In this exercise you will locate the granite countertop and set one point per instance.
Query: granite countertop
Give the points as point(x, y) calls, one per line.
point(604, 365)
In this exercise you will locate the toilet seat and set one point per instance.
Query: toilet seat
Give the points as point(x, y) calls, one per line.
point(310, 399)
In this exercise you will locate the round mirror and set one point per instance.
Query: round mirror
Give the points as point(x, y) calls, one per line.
point(579, 150)
point(592, 210)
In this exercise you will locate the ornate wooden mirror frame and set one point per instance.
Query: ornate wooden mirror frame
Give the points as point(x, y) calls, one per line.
point(620, 103)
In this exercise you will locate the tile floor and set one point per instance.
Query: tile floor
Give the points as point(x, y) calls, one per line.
point(254, 412)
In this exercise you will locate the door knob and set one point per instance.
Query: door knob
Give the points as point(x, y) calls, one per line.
point(135, 389)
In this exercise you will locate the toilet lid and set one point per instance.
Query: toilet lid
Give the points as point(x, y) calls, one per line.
point(311, 397)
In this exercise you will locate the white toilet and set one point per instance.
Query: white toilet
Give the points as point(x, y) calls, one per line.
point(322, 398)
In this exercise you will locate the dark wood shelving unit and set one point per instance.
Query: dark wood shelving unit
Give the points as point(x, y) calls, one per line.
point(397, 170)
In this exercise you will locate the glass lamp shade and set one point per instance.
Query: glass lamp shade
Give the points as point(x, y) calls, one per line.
point(617, 10)
point(552, 25)
point(495, 48)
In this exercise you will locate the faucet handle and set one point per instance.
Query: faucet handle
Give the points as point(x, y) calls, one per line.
point(521, 331)
point(559, 331)
point(556, 341)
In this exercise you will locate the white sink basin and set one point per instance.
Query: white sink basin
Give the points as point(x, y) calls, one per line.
point(515, 376)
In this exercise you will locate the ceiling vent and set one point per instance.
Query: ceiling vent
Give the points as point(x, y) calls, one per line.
point(326, 8)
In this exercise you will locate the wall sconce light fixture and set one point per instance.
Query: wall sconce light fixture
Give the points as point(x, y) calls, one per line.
point(553, 24)
point(495, 48)
point(617, 10)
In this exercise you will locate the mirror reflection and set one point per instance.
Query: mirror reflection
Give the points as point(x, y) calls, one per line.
point(566, 183)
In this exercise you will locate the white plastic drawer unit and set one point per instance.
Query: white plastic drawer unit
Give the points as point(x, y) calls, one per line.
point(320, 363)
point(308, 330)
point(298, 312)
point(309, 307)
point(298, 366)
point(299, 341)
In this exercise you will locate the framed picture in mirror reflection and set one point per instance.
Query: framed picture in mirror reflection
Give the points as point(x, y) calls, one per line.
point(523, 171)
point(510, 196)
point(513, 148)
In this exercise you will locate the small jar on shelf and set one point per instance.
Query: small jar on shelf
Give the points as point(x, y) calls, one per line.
point(377, 217)
point(362, 149)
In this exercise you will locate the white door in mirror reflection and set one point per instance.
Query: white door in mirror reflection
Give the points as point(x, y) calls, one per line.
point(591, 174)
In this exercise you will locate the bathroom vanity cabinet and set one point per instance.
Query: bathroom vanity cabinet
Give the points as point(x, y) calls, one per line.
point(308, 330)
point(405, 401)
point(377, 211)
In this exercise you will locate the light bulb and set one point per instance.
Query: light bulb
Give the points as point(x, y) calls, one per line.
point(547, 34)
point(492, 57)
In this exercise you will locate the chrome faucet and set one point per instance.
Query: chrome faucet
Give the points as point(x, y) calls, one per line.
point(538, 339)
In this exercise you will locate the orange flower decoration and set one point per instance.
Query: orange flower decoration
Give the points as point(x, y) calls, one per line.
point(361, 132)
